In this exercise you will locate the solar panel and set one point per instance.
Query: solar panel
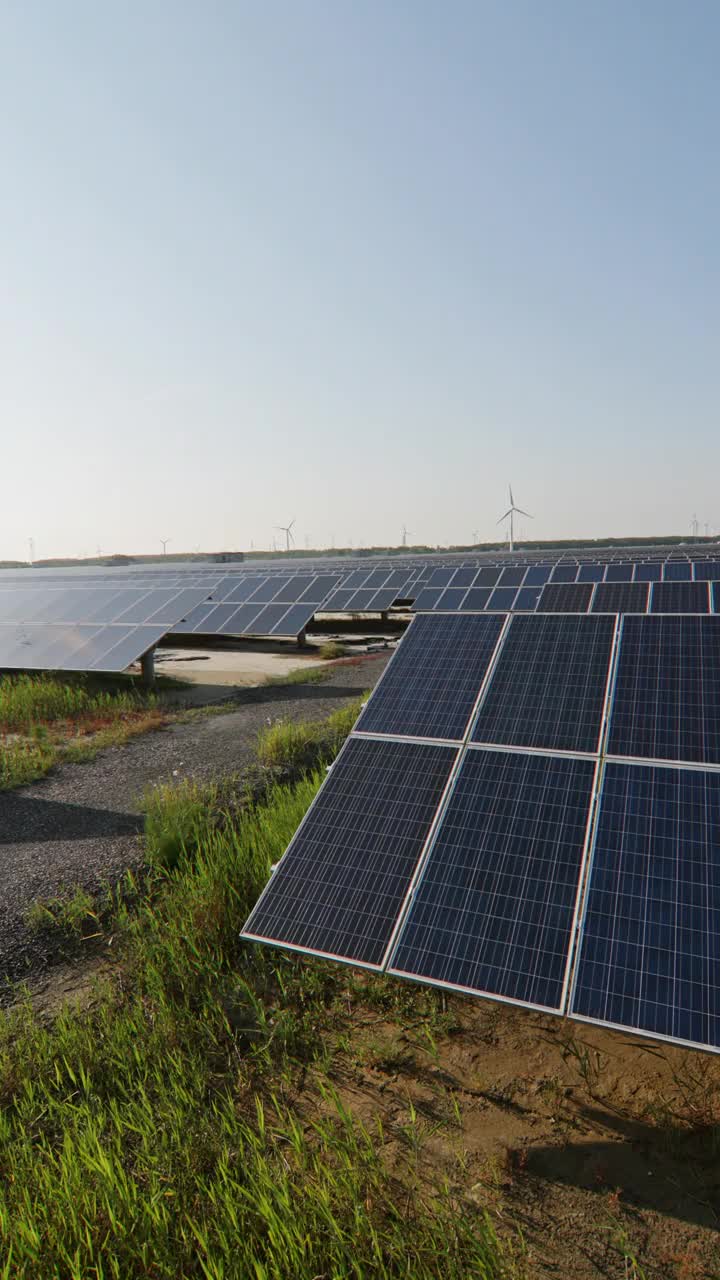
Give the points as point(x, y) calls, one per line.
point(494, 908)
point(620, 597)
point(511, 577)
point(548, 685)
point(476, 598)
point(650, 951)
point(715, 596)
point(707, 570)
point(339, 600)
point(452, 598)
point(591, 573)
point(527, 599)
point(538, 575)
point(677, 571)
point(564, 573)
point(427, 599)
point(558, 597)
point(679, 597)
point(340, 886)
point(431, 684)
point(502, 598)
point(294, 621)
point(487, 577)
point(619, 573)
point(666, 704)
point(77, 647)
point(648, 572)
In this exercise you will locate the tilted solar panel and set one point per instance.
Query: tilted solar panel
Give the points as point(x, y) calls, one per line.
point(620, 597)
point(679, 597)
point(666, 703)
point(340, 886)
point(431, 685)
point(650, 952)
point(549, 684)
point(74, 647)
point(494, 909)
point(559, 597)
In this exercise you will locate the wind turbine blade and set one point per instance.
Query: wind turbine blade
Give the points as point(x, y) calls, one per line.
point(524, 513)
point(512, 500)
point(507, 513)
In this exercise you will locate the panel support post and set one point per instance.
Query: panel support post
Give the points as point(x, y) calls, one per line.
point(148, 668)
point(301, 640)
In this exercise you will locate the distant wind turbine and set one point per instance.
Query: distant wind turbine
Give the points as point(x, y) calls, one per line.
point(694, 525)
point(285, 528)
point(511, 512)
point(404, 536)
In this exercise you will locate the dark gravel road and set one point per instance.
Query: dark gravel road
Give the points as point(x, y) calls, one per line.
point(80, 825)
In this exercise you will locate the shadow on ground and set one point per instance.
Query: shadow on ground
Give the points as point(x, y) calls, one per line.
point(31, 821)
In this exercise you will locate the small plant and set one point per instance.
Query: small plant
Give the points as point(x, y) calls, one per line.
point(176, 819)
point(332, 649)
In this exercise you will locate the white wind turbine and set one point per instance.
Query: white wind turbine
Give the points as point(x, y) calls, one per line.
point(511, 512)
point(285, 528)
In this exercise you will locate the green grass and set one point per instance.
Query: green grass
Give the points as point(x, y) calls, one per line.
point(46, 720)
point(332, 649)
point(291, 742)
point(163, 1132)
point(302, 675)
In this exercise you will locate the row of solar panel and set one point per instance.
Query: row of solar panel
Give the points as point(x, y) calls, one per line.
point(60, 646)
point(285, 620)
point(464, 865)
point(603, 597)
point(480, 893)
point(542, 682)
point(538, 575)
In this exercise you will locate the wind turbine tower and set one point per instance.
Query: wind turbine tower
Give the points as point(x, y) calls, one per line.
point(512, 511)
point(404, 536)
point(286, 529)
point(695, 525)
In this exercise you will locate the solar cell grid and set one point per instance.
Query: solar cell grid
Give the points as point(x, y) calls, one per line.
point(430, 687)
point(620, 597)
point(548, 685)
point(591, 573)
point(650, 951)
point(502, 598)
point(666, 702)
point(558, 597)
point(677, 571)
point(679, 597)
point(564, 573)
point(341, 884)
point(494, 908)
point(647, 573)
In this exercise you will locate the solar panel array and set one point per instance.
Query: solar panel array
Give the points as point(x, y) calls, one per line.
point(565, 855)
point(604, 595)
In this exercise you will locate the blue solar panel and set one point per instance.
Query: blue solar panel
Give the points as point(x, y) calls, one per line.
point(677, 571)
point(451, 598)
point(715, 596)
point(591, 573)
point(549, 683)
point(666, 704)
point(648, 572)
point(537, 575)
point(464, 577)
point(502, 598)
point(432, 681)
point(707, 571)
point(339, 889)
point(511, 578)
point(487, 577)
point(559, 597)
point(679, 597)
point(650, 944)
point(619, 573)
point(527, 599)
point(477, 598)
point(494, 909)
point(620, 597)
point(564, 573)
point(427, 599)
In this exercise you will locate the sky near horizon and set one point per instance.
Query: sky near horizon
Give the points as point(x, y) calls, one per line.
point(361, 264)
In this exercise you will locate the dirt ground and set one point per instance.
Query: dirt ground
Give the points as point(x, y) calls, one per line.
point(600, 1150)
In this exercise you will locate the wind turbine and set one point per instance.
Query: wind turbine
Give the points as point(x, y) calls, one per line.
point(694, 525)
point(511, 512)
point(404, 536)
point(285, 528)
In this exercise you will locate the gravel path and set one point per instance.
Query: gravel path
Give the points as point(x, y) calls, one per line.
point(80, 825)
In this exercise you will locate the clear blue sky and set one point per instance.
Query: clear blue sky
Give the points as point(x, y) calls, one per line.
point(360, 263)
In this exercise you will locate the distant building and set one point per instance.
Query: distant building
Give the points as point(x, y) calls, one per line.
point(227, 557)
